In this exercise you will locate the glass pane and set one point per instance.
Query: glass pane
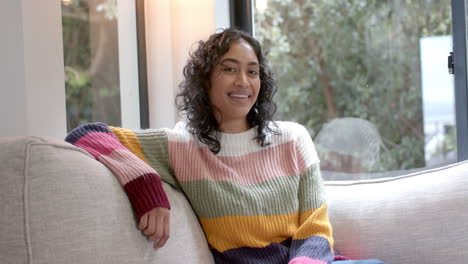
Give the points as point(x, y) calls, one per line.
point(91, 61)
point(368, 78)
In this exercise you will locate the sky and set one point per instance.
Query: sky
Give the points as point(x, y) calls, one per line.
point(437, 83)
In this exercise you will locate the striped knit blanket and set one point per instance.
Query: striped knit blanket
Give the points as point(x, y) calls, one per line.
point(255, 204)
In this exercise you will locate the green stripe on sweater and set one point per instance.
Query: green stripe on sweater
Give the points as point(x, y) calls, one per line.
point(273, 197)
point(154, 143)
point(311, 199)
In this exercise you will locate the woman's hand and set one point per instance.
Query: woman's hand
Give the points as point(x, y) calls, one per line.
point(155, 224)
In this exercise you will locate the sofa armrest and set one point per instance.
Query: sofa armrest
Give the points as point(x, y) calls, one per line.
point(60, 205)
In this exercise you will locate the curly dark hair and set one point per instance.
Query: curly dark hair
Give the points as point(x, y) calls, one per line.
point(193, 98)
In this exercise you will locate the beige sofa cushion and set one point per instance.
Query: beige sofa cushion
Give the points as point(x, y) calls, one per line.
point(421, 218)
point(59, 205)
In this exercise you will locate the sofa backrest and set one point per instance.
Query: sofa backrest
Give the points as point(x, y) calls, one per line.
point(420, 218)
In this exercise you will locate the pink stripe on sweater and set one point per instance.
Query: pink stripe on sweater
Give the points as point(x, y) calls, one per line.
point(339, 257)
point(99, 143)
point(126, 165)
point(192, 163)
point(306, 260)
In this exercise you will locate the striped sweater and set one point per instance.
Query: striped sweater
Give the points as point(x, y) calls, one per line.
point(255, 204)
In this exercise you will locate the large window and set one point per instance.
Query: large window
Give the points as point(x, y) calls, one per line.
point(101, 67)
point(368, 78)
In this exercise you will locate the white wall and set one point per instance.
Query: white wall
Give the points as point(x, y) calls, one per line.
point(12, 90)
point(128, 64)
point(32, 95)
point(222, 14)
point(172, 27)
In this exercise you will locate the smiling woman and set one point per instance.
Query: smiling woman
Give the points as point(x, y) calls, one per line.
point(224, 64)
point(254, 183)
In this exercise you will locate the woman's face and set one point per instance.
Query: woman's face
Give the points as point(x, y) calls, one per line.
point(235, 83)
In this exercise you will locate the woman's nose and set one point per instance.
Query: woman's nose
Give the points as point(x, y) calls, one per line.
point(242, 80)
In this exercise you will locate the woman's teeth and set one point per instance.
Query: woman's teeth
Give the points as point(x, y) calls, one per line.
point(239, 95)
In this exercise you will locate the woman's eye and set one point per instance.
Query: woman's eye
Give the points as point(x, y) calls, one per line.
point(228, 69)
point(253, 73)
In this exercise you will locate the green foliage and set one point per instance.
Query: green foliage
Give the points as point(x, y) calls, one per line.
point(91, 66)
point(449, 142)
point(78, 96)
point(355, 58)
point(77, 59)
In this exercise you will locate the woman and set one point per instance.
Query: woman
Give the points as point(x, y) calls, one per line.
point(254, 184)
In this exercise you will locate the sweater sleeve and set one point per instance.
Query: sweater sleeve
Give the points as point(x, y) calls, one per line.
point(313, 240)
point(140, 181)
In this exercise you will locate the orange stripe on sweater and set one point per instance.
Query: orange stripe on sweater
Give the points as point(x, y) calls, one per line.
point(230, 232)
point(315, 221)
point(130, 141)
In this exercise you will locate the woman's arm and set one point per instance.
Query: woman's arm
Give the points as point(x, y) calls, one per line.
point(313, 240)
point(139, 180)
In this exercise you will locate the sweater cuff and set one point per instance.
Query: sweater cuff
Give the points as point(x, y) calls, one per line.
point(146, 193)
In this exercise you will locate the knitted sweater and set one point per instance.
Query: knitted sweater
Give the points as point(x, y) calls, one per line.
point(255, 204)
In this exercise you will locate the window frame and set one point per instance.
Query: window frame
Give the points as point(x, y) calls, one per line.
point(461, 88)
point(241, 15)
point(142, 64)
point(241, 18)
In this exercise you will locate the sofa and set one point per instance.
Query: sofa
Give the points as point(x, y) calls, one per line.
point(59, 205)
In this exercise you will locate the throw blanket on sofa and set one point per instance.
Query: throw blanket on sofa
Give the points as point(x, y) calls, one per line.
point(255, 204)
